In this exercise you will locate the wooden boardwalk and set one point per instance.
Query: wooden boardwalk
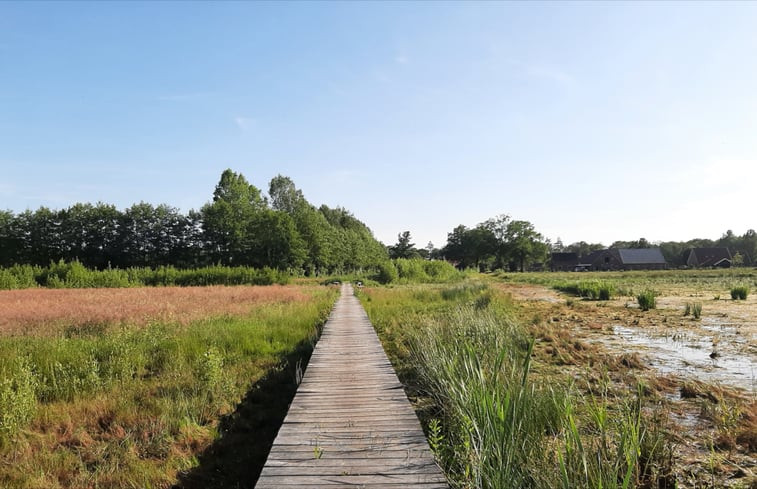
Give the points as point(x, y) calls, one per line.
point(350, 423)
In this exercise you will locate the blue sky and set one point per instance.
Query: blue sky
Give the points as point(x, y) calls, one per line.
point(594, 121)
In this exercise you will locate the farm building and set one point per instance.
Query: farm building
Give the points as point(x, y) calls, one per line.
point(563, 262)
point(625, 259)
point(709, 257)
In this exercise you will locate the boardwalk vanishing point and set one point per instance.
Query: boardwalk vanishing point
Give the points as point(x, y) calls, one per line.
point(350, 423)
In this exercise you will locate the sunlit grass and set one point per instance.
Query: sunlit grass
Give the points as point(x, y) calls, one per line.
point(134, 405)
point(492, 423)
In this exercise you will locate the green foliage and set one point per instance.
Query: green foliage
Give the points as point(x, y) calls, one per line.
point(74, 275)
point(739, 292)
point(416, 271)
point(589, 289)
point(17, 397)
point(404, 248)
point(237, 228)
point(496, 243)
point(647, 299)
point(387, 273)
point(18, 277)
point(497, 426)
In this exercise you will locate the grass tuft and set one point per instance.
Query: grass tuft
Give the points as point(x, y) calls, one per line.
point(647, 300)
point(739, 292)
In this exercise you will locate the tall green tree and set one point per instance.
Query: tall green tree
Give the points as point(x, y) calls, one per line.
point(90, 234)
point(310, 223)
point(285, 196)
point(748, 247)
point(230, 217)
point(11, 246)
point(404, 248)
point(272, 241)
point(475, 247)
point(525, 244)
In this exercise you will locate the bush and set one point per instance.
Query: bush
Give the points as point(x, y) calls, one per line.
point(441, 271)
point(411, 271)
point(68, 275)
point(647, 300)
point(739, 292)
point(8, 280)
point(387, 273)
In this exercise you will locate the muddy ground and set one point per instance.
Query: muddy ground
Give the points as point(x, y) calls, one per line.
point(704, 371)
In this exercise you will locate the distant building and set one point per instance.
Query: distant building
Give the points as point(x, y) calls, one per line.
point(563, 262)
point(709, 258)
point(624, 259)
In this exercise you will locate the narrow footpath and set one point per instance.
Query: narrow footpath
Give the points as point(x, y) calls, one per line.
point(350, 423)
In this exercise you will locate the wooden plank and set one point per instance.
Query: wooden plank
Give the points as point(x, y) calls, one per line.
point(350, 423)
point(406, 480)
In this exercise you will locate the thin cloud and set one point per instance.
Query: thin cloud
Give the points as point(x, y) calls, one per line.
point(401, 59)
point(245, 123)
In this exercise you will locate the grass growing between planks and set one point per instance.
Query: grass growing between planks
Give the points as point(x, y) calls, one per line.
point(494, 424)
point(153, 404)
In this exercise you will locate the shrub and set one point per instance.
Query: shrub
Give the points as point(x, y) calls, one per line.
point(7, 280)
point(740, 292)
point(647, 300)
point(411, 270)
point(387, 273)
point(73, 274)
point(441, 271)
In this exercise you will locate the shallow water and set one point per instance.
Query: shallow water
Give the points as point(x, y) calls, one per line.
point(687, 354)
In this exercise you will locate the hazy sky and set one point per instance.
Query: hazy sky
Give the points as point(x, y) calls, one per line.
point(594, 121)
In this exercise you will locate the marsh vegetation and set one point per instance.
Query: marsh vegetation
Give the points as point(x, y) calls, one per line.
point(144, 387)
point(518, 389)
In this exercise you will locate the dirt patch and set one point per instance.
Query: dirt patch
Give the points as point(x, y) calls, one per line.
point(527, 292)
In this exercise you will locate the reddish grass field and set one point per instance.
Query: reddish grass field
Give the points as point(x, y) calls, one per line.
point(48, 312)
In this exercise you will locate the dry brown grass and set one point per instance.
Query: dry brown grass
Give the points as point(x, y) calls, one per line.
point(49, 312)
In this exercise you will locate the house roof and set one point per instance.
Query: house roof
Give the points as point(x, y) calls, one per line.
point(591, 257)
point(564, 257)
point(711, 256)
point(641, 256)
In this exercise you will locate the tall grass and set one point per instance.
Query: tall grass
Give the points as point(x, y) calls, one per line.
point(739, 292)
point(131, 406)
point(693, 309)
point(589, 289)
point(647, 300)
point(494, 424)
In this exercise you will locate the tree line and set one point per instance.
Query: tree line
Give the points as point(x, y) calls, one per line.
point(743, 248)
point(238, 227)
point(507, 244)
point(497, 243)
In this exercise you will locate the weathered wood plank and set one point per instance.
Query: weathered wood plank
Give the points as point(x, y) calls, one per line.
point(350, 423)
